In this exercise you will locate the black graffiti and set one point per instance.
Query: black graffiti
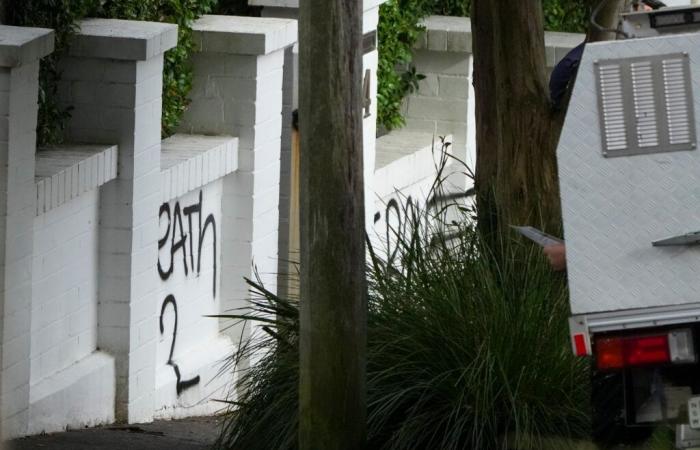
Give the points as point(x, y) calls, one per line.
point(178, 237)
point(181, 385)
point(403, 217)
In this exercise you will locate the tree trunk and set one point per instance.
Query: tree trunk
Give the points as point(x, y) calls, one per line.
point(516, 130)
point(333, 287)
point(607, 18)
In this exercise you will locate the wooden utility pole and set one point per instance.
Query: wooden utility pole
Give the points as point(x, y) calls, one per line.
point(333, 287)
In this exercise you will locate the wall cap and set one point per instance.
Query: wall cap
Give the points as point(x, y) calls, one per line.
point(67, 171)
point(367, 5)
point(446, 34)
point(24, 45)
point(123, 39)
point(454, 34)
point(189, 162)
point(243, 35)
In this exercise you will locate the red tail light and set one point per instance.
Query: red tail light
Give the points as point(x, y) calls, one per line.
point(620, 352)
point(580, 345)
point(647, 350)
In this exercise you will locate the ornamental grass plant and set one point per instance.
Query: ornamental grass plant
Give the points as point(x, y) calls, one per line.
point(466, 349)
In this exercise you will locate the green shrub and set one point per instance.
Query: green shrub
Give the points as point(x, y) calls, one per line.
point(463, 351)
point(566, 15)
point(62, 16)
point(236, 8)
point(397, 31)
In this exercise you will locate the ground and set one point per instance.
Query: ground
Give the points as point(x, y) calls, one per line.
point(187, 434)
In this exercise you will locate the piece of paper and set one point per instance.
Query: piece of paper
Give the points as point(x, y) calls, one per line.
point(684, 239)
point(537, 236)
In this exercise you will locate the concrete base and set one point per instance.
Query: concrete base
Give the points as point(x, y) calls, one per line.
point(79, 396)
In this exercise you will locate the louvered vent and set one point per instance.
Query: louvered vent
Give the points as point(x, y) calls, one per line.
point(677, 105)
point(646, 105)
point(613, 107)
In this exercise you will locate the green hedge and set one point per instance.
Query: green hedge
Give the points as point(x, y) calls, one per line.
point(399, 30)
point(61, 15)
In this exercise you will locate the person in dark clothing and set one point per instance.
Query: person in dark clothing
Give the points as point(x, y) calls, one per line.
point(564, 73)
point(565, 70)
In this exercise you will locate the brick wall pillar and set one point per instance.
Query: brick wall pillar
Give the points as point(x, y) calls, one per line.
point(20, 52)
point(238, 91)
point(370, 18)
point(113, 80)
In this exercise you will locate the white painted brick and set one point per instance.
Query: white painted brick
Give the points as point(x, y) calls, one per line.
point(15, 350)
point(261, 133)
point(112, 315)
point(15, 377)
point(16, 322)
point(454, 87)
point(436, 109)
point(114, 339)
point(437, 40)
point(441, 63)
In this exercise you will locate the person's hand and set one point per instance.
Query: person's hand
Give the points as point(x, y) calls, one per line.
point(556, 254)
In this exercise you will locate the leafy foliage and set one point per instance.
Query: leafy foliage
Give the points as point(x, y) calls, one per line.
point(236, 8)
point(399, 30)
point(62, 16)
point(566, 15)
point(465, 350)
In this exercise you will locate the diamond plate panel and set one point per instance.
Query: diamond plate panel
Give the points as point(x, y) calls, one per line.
point(614, 208)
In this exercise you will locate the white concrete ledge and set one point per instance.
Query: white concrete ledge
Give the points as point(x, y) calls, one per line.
point(404, 157)
point(454, 34)
point(24, 45)
point(243, 35)
point(402, 142)
point(66, 172)
point(123, 39)
point(188, 162)
point(367, 5)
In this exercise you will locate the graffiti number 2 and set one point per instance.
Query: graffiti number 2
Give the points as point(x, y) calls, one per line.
point(181, 384)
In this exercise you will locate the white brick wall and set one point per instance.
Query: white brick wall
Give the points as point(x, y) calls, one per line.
point(82, 300)
point(4, 156)
point(440, 104)
point(64, 288)
point(121, 103)
point(18, 131)
point(127, 113)
point(71, 383)
point(192, 275)
point(242, 95)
